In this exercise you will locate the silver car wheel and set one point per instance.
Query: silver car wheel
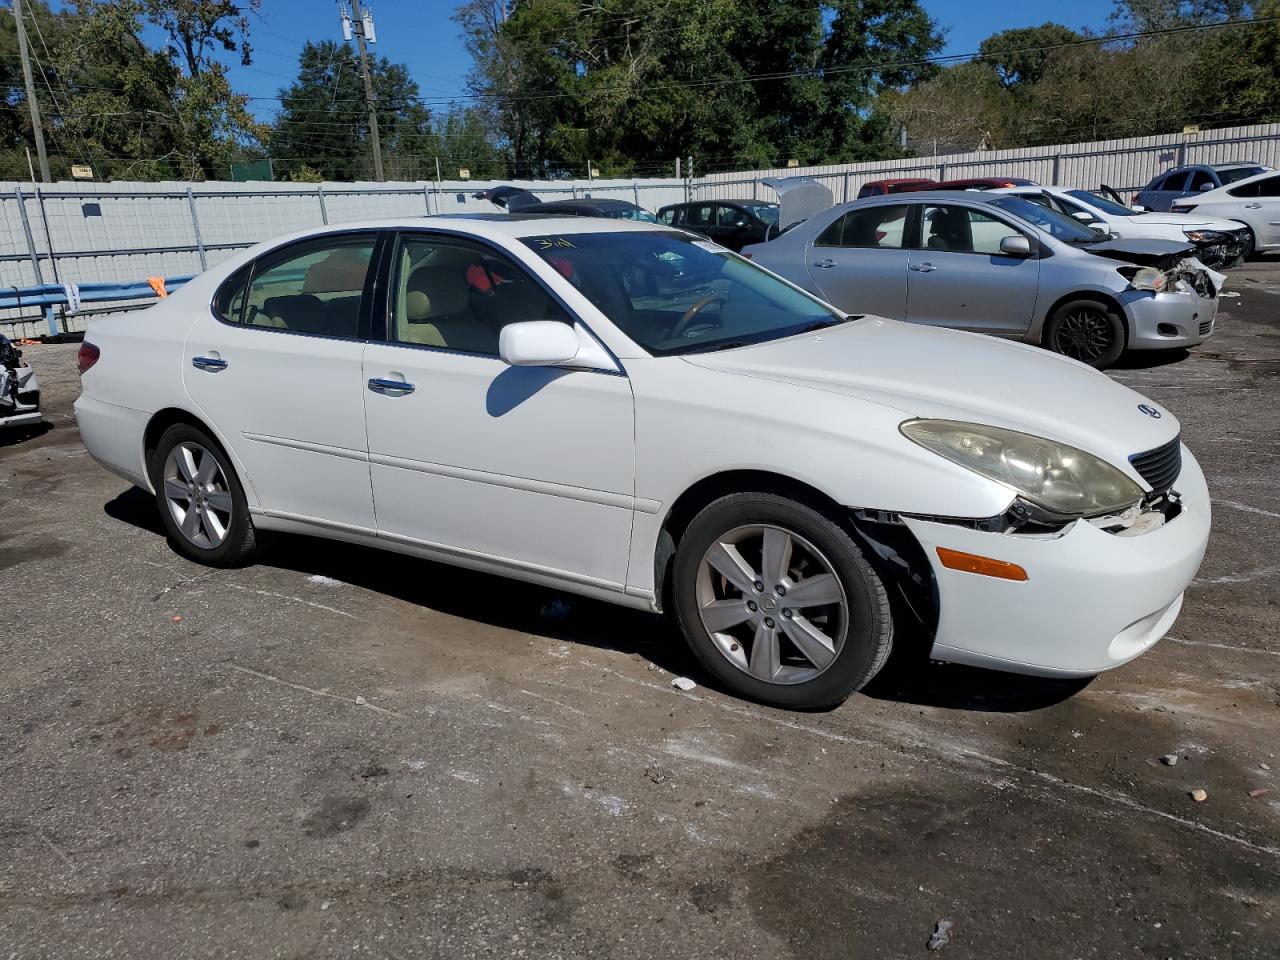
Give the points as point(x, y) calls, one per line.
point(772, 603)
point(197, 495)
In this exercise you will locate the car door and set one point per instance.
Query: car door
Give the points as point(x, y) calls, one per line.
point(957, 276)
point(1258, 204)
point(276, 369)
point(530, 466)
point(1173, 187)
point(859, 262)
point(701, 218)
point(735, 228)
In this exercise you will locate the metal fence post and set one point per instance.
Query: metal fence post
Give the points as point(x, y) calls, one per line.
point(26, 229)
point(1057, 163)
point(50, 316)
point(635, 192)
point(942, 171)
point(195, 226)
point(324, 214)
point(426, 197)
point(846, 186)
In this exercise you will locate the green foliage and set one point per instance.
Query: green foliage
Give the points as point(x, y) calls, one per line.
point(732, 82)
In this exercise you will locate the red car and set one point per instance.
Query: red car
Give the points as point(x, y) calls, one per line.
point(878, 188)
point(971, 183)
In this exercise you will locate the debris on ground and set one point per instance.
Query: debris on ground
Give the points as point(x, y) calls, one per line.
point(683, 683)
point(1169, 759)
point(374, 770)
point(1260, 792)
point(361, 701)
point(555, 610)
point(1199, 796)
point(177, 619)
point(941, 935)
point(1229, 293)
point(656, 773)
point(1263, 766)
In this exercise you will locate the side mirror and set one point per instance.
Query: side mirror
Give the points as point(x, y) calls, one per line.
point(1084, 216)
point(1015, 246)
point(1204, 187)
point(537, 343)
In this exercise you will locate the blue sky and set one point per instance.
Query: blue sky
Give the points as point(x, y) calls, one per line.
point(421, 34)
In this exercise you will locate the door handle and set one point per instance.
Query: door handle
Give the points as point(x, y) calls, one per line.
point(390, 386)
point(825, 264)
point(923, 267)
point(212, 364)
point(1253, 206)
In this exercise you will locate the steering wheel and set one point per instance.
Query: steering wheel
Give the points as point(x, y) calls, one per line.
point(684, 323)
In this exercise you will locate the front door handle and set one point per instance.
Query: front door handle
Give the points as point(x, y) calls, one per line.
point(212, 364)
point(923, 267)
point(1253, 206)
point(826, 264)
point(395, 387)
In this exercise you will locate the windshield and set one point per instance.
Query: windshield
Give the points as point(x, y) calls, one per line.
point(768, 212)
point(644, 216)
point(1057, 225)
point(1239, 173)
point(1105, 204)
point(673, 294)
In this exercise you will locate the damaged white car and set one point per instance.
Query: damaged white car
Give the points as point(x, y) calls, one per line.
point(19, 389)
point(632, 413)
point(1000, 264)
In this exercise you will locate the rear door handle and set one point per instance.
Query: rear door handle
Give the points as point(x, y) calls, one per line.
point(212, 364)
point(390, 386)
point(826, 264)
point(1253, 206)
point(923, 267)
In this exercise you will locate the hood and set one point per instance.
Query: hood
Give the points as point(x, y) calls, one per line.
point(945, 374)
point(799, 198)
point(1148, 253)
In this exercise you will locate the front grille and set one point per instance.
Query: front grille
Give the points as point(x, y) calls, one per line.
point(1161, 466)
point(1206, 327)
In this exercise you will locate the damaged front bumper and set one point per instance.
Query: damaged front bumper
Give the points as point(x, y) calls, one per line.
point(1181, 313)
point(1095, 596)
point(19, 397)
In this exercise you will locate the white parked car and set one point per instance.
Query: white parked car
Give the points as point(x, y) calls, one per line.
point(631, 413)
point(1219, 243)
point(1255, 202)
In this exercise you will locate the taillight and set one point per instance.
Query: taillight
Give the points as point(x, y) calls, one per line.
point(1182, 208)
point(87, 356)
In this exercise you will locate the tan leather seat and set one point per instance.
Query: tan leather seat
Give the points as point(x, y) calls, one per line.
point(437, 312)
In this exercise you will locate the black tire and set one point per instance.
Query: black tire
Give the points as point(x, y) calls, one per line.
point(1086, 330)
point(241, 541)
point(1250, 248)
point(868, 624)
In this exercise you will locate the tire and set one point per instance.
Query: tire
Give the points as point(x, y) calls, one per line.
point(1251, 248)
point(847, 641)
point(1086, 330)
point(219, 535)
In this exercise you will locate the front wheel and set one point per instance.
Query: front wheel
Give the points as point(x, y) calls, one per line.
point(777, 601)
point(201, 501)
point(1088, 331)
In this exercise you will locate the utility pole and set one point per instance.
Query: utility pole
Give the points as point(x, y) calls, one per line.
point(361, 24)
point(36, 127)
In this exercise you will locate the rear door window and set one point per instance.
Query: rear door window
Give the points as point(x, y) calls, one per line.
point(315, 287)
point(878, 226)
point(1176, 182)
point(1268, 187)
point(700, 215)
point(1199, 178)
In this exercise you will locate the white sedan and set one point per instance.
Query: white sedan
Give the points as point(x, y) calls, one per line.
point(1219, 242)
point(631, 413)
point(1254, 202)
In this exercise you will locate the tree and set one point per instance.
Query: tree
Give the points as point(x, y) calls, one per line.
point(1019, 55)
point(324, 121)
point(733, 82)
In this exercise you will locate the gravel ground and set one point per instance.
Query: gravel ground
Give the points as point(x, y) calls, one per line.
point(340, 752)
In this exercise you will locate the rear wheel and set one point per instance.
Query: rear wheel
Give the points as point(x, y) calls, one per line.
point(201, 501)
point(777, 601)
point(1086, 330)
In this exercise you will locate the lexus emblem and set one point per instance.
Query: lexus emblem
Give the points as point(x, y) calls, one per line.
point(1149, 410)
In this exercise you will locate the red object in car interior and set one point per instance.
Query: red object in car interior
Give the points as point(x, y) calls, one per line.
point(87, 356)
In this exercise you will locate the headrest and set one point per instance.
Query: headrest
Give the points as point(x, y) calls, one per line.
point(436, 292)
point(342, 271)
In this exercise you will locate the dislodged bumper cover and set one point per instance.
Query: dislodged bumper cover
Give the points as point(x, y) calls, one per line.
point(1092, 599)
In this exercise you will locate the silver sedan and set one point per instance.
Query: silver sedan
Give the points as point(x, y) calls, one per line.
point(998, 264)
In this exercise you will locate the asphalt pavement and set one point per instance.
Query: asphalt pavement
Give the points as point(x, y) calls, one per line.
point(338, 752)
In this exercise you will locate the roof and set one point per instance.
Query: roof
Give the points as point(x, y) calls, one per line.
point(695, 203)
point(492, 225)
point(601, 203)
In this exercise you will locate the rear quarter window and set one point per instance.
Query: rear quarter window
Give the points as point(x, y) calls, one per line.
point(228, 302)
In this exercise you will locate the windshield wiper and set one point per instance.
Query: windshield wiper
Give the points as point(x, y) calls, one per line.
point(823, 324)
point(718, 345)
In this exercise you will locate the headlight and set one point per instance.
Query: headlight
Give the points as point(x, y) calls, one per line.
point(1059, 478)
point(1145, 278)
point(1205, 236)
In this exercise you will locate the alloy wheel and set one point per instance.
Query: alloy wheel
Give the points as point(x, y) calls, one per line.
point(197, 495)
point(1084, 335)
point(772, 603)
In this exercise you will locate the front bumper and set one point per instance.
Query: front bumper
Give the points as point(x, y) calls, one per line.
point(1092, 601)
point(1159, 321)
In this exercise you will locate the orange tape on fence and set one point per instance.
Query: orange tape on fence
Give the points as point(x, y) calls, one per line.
point(157, 284)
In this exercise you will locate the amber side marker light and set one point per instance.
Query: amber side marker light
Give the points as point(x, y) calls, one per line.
point(972, 563)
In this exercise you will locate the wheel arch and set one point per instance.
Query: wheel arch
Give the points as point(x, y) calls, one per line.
point(167, 417)
point(1101, 296)
point(889, 546)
